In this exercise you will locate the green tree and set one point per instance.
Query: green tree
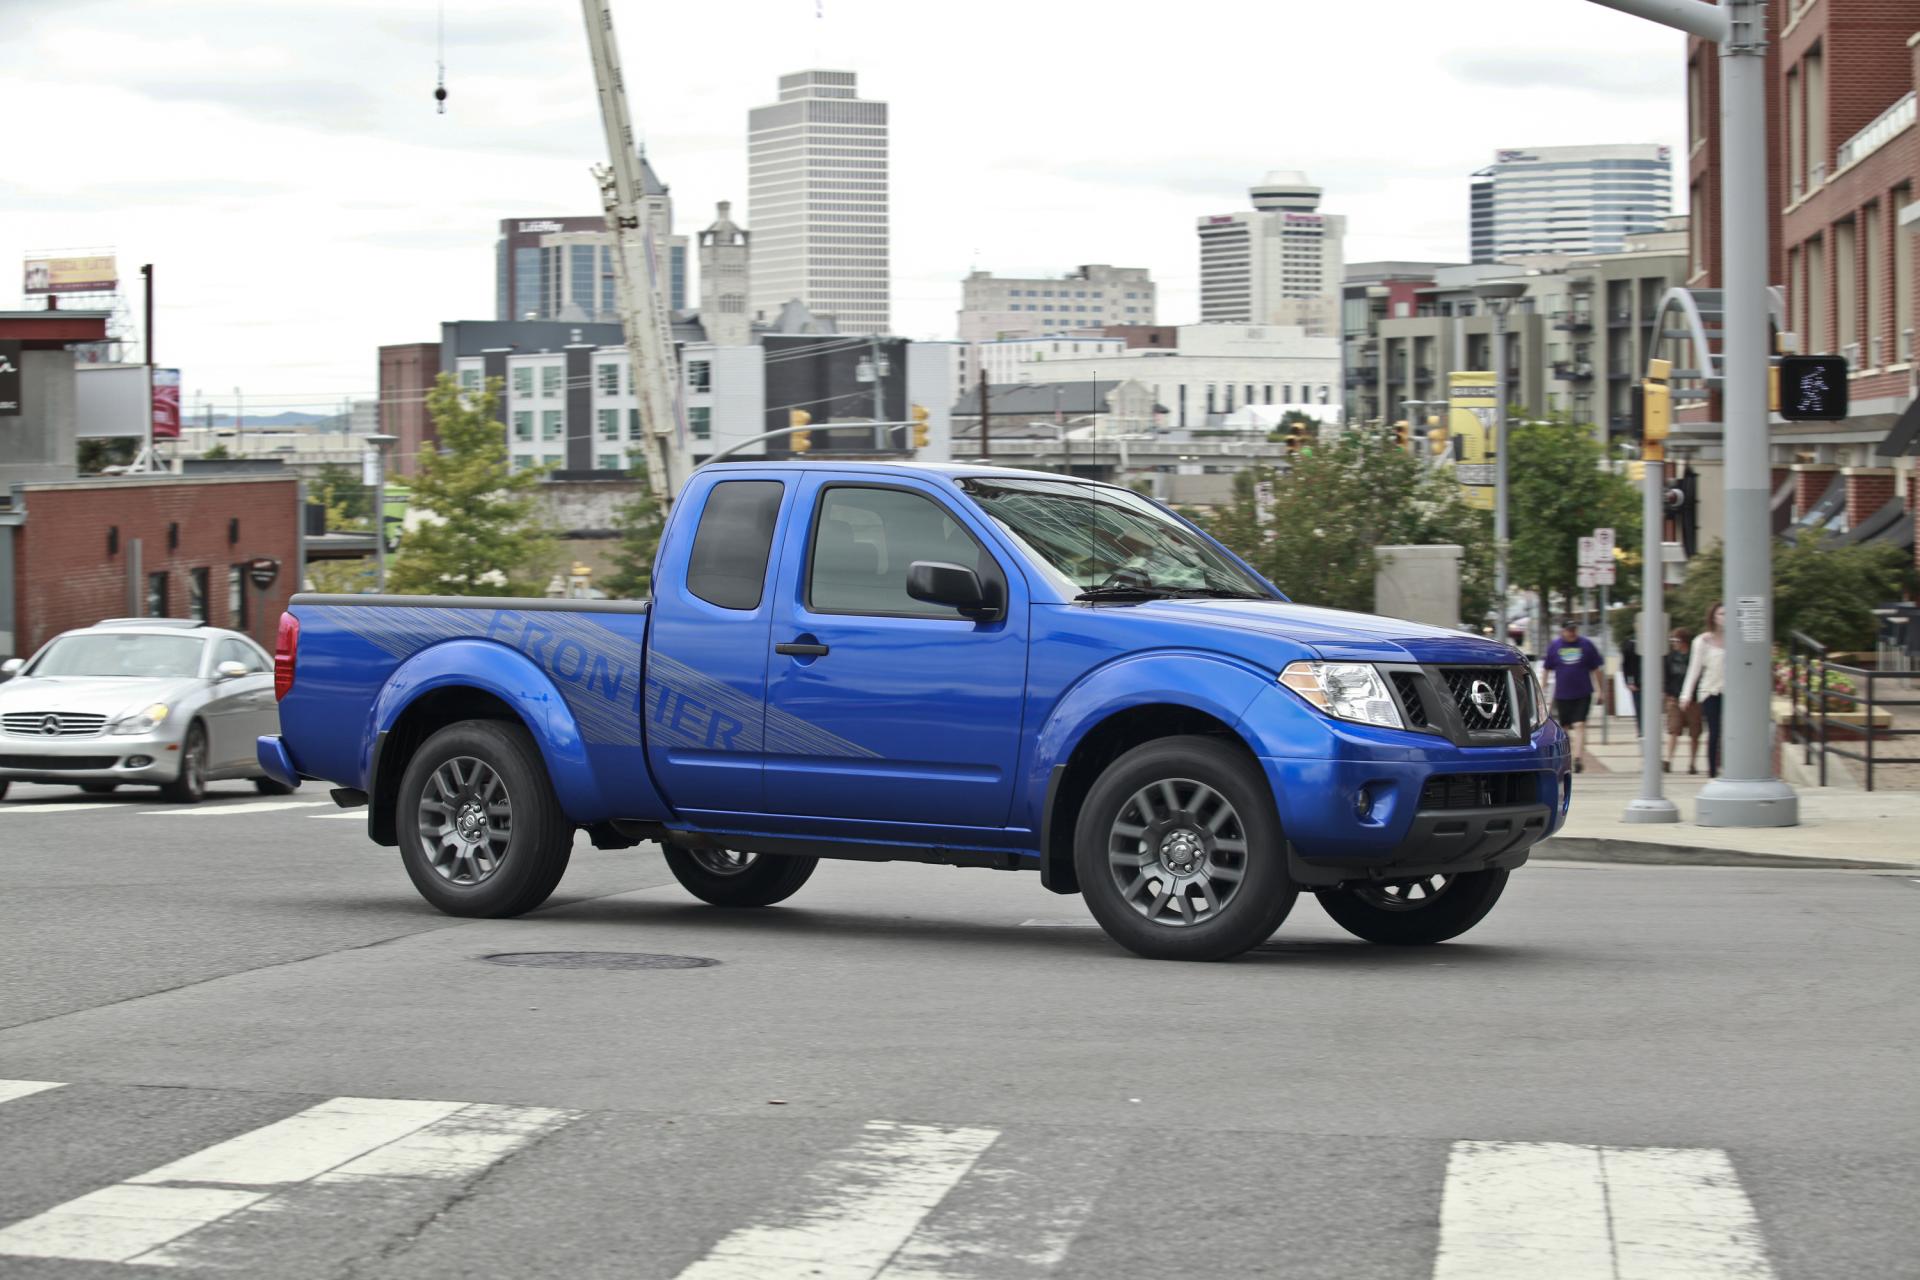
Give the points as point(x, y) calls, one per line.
point(95, 455)
point(1557, 493)
point(219, 452)
point(1354, 491)
point(638, 522)
point(1821, 588)
point(479, 532)
point(348, 502)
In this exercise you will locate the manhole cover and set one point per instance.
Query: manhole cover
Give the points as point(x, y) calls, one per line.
point(597, 960)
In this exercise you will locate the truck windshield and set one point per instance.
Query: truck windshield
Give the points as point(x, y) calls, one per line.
point(97, 653)
point(1097, 540)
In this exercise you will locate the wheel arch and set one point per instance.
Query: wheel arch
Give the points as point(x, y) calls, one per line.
point(470, 679)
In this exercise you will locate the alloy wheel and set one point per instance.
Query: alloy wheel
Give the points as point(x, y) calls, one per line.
point(723, 862)
point(1404, 895)
point(465, 818)
point(1178, 852)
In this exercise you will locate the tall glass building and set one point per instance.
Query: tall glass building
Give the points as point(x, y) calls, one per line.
point(1571, 200)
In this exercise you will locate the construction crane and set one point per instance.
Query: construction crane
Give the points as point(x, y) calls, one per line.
point(639, 280)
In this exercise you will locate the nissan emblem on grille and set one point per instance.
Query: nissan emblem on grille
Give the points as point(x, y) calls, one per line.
point(1483, 698)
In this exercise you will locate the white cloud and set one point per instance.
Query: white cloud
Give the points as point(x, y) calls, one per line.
point(281, 163)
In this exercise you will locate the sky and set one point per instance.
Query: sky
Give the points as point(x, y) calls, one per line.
point(281, 164)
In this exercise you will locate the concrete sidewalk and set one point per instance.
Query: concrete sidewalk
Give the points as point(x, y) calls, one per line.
point(1839, 827)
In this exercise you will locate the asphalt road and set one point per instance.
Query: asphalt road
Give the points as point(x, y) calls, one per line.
point(266, 1055)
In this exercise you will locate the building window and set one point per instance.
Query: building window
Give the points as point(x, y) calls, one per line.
point(522, 463)
point(237, 596)
point(551, 461)
point(551, 378)
point(197, 594)
point(550, 425)
point(523, 383)
point(157, 595)
point(609, 379)
point(469, 379)
point(1902, 280)
point(609, 424)
point(523, 424)
point(608, 462)
point(1874, 273)
point(633, 424)
point(1846, 290)
point(700, 422)
point(699, 375)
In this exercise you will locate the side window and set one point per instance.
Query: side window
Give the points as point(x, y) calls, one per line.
point(239, 651)
point(728, 566)
point(865, 540)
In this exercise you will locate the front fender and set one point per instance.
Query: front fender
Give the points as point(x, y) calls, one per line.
point(510, 676)
point(1218, 685)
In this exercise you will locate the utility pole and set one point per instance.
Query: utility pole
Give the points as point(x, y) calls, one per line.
point(1746, 794)
point(639, 279)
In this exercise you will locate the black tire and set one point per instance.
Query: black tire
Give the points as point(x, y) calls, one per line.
point(525, 857)
point(1397, 915)
point(3, 788)
point(191, 786)
point(760, 881)
point(1230, 916)
point(99, 788)
point(273, 787)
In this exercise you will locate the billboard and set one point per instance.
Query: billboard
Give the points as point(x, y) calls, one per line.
point(1471, 398)
point(96, 273)
point(166, 404)
point(9, 380)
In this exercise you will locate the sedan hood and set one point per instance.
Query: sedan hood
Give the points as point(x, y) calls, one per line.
point(90, 695)
point(1335, 634)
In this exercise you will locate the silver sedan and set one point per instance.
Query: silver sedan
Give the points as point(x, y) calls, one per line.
point(156, 701)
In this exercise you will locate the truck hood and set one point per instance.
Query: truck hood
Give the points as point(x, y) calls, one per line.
point(1334, 634)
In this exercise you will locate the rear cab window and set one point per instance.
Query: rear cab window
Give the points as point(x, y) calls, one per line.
point(732, 543)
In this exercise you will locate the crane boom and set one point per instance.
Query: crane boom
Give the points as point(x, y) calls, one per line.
point(639, 280)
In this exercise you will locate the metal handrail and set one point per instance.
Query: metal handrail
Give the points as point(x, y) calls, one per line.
point(1807, 681)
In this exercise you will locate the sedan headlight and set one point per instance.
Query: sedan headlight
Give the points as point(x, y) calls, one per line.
point(143, 721)
point(1345, 690)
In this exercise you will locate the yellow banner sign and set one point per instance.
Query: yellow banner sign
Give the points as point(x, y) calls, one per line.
point(96, 274)
point(1471, 399)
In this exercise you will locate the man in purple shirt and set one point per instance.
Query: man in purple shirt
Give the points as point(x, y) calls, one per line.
point(1570, 661)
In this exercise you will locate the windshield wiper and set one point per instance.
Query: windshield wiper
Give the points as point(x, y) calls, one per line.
point(1139, 591)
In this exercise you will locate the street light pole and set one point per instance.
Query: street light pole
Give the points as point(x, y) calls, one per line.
point(1746, 794)
point(380, 441)
point(1499, 297)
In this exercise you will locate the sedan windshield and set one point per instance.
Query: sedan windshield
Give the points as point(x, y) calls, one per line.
point(1102, 541)
point(98, 653)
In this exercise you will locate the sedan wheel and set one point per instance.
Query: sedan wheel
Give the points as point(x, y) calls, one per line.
point(191, 786)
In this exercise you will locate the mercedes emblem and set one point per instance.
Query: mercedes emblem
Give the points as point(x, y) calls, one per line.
point(50, 725)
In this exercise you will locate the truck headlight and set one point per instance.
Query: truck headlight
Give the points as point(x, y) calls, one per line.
point(1345, 690)
point(142, 721)
point(1538, 706)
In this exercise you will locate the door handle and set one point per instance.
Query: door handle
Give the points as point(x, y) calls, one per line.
point(801, 649)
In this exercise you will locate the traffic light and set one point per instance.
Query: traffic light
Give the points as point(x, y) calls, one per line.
point(1681, 501)
point(1296, 436)
point(921, 436)
point(797, 440)
point(1400, 433)
point(1813, 388)
point(1439, 440)
point(1656, 410)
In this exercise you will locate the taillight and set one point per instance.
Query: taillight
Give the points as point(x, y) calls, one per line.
point(286, 649)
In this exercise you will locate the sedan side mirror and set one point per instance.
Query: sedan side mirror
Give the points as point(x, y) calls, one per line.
point(11, 668)
point(953, 585)
point(230, 670)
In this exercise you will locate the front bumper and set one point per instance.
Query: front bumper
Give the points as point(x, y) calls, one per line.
point(1374, 809)
point(96, 757)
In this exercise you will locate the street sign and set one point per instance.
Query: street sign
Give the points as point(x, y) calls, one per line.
point(1589, 552)
point(1585, 577)
point(262, 570)
point(1603, 575)
point(1603, 538)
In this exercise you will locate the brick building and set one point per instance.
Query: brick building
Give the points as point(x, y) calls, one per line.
point(153, 547)
point(407, 373)
point(1843, 165)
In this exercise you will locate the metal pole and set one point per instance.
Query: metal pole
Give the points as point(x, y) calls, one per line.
point(1500, 466)
point(380, 519)
point(1606, 652)
point(1650, 805)
point(1746, 794)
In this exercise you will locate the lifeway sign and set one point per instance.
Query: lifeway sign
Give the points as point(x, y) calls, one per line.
point(10, 380)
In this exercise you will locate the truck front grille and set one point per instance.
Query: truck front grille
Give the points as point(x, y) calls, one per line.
point(1479, 790)
point(1483, 697)
point(1408, 685)
point(52, 724)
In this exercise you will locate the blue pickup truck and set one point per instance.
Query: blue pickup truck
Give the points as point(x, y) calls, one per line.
point(951, 664)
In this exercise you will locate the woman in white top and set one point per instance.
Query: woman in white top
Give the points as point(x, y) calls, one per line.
point(1707, 680)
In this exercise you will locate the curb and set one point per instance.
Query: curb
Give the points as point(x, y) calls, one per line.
point(1652, 853)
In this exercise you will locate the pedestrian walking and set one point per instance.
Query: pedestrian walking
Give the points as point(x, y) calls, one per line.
point(1570, 664)
point(1707, 680)
point(1630, 675)
point(1679, 719)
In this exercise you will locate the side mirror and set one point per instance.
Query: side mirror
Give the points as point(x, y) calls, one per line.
point(954, 586)
point(11, 668)
point(230, 670)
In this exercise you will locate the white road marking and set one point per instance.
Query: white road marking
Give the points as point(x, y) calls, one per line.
point(1520, 1210)
point(222, 810)
point(148, 1218)
point(79, 806)
point(357, 815)
point(1059, 924)
point(11, 1089)
point(863, 1204)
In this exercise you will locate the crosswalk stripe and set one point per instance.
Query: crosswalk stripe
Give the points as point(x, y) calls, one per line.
point(79, 806)
point(11, 1089)
point(1519, 1210)
point(222, 810)
point(147, 1217)
point(352, 815)
point(864, 1203)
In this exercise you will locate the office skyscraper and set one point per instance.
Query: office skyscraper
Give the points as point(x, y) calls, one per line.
point(817, 202)
point(1279, 263)
point(1572, 200)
